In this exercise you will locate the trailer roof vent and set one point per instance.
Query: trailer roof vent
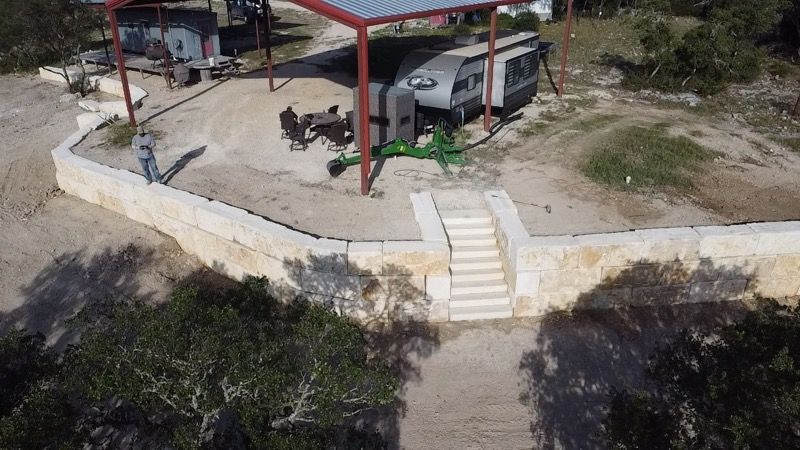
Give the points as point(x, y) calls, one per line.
point(472, 39)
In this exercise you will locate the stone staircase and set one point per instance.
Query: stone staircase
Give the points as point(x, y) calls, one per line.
point(479, 289)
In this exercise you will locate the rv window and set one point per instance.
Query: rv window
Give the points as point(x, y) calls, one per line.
point(472, 81)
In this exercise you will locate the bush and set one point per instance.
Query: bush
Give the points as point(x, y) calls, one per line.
point(462, 29)
point(738, 387)
point(207, 370)
point(505, 21)
point(526, 21)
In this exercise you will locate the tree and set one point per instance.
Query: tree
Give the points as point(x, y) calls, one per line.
point(737, 388)
point(218, 371)
point(40, 32)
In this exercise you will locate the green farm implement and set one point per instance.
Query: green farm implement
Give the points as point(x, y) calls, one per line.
point(442, 148)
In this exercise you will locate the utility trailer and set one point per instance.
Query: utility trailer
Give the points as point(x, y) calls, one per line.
point(448, 80)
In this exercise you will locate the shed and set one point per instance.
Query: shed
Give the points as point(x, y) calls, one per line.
point(190, 33)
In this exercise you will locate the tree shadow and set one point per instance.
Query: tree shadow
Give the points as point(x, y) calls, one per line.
point(71, 282)
point(392, 312)
point(577, 357)
point(182, 162)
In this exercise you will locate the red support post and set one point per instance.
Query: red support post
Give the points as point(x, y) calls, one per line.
point(487, 114)
point(363, 107)
point(565, 51)
point(123, 75)
point(167, 74)
point(268, 22)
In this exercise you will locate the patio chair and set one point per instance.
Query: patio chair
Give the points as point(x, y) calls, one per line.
point(334, 109)
point(298, 136)
point(349, 119)
point(288, 122)
point(337, 136)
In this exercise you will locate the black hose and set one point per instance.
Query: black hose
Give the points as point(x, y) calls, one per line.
point(494, 130)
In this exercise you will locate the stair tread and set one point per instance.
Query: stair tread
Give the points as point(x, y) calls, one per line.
point(492, 311)
point(475, 260)
point(465, 272)
point(479, 283)
point(478, 248)
point(465, 214)
point(468, 226)
point(455, 298)
point(472, 240)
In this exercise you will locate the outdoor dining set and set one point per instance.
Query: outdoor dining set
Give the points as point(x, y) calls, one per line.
point(329, 126)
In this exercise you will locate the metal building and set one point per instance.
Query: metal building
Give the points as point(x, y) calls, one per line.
point(191, 33)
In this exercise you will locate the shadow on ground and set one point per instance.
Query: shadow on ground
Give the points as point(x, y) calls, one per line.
point(577, 357)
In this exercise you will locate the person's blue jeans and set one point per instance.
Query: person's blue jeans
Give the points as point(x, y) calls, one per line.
point(150, 169)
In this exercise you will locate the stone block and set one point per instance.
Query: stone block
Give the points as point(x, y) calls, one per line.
point(138, 213)
point(776, 287)
point(402, 296)
point(510, 232)
point(176, 203)
point(564, 301)
point(365, 258)
point(726, 241)
point(279, 274)
point(110, 203)
point(525, 306)
point(648, 275)
point(218, 218)
point(277, 241)
point(89, 105)
point(580, 280)
point(750, 267)
point(359, 310)
point(499, 201)
point(422, 203)
point(669, 244)
point(90, 121)
point(526, 283)
point(437, 287)
point(239, 255)
point(55, 74)
point(114, 109)
point(327, 255)
point(439, 311)
point(777, 238)
point(660, 295)
point(330, 284)
point(431, 228)
point(606, 298)
point(787, 266)
point(415, 258)
point(610, 249)
point(717, 291)
point(547, 253)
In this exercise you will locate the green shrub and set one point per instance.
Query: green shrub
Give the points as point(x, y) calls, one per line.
point(462, 29)
point(526, 21)
point(505, 21)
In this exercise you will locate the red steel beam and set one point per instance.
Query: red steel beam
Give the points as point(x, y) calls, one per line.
point(487, 114)
point(363, 106)
point(565, 53)
point(123, 75)
point(164, 48)
point(268, 30)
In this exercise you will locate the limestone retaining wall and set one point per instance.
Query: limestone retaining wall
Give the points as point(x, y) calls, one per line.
point(388, 280)
point(644, 267)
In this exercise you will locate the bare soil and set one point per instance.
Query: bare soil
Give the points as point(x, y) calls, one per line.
point(57, 252)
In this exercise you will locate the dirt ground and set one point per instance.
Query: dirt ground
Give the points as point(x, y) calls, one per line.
point(222, 140)
point(510, 384)
point(57, 252)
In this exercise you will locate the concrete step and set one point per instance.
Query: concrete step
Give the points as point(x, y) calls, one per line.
point(477, 275)
point(476, 300)
point(473, 240)
point(475, 263)
point(484, 251)
point(481, 312)
point(466, 216)
point(468, 229)
point(479, 287)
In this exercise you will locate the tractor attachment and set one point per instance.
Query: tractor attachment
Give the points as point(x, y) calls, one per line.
point(441, 148)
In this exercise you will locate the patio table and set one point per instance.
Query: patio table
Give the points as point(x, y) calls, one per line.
point(320, 122)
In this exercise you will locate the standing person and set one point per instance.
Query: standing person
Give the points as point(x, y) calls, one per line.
point(143, 145)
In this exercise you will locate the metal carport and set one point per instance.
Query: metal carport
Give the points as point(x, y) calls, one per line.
point(360, 14)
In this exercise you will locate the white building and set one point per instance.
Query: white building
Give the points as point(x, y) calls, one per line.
point(544, 8)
